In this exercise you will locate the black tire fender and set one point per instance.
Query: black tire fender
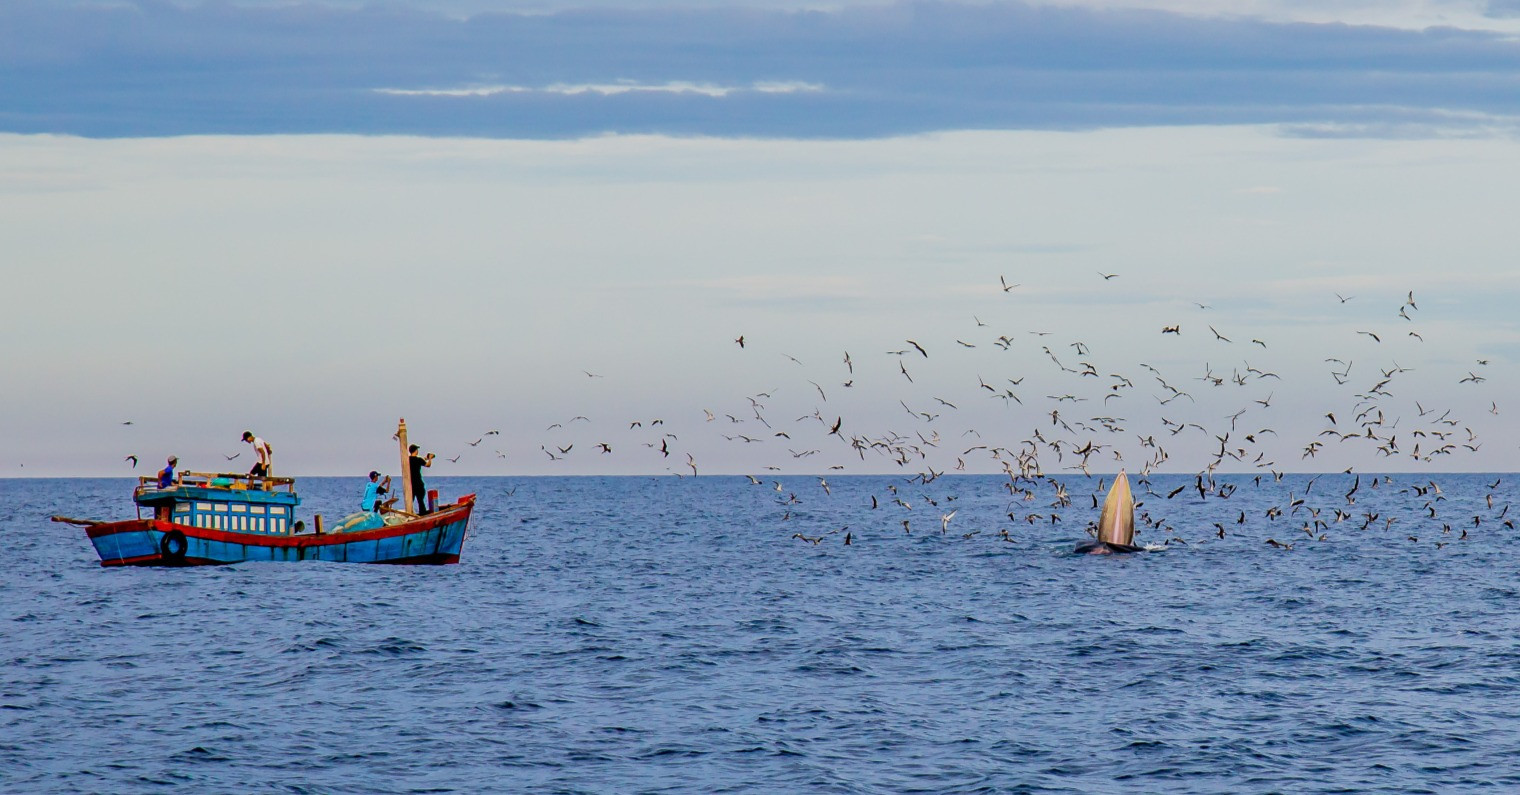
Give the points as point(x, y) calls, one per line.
point(173, 547)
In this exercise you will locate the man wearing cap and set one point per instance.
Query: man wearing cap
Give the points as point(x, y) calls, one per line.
point(263, 451)
point(166, 475)
point(372, 491)
point(415, 461)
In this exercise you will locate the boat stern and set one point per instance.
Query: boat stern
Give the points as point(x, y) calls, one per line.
point(141, 542)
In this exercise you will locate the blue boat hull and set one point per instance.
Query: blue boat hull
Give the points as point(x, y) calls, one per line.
point(437, 538)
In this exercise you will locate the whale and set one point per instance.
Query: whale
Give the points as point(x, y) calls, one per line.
point(1116, 524)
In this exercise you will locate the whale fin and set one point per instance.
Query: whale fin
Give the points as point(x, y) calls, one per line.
point(1116, 525)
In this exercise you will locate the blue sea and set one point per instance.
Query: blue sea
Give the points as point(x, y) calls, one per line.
point(675, 635)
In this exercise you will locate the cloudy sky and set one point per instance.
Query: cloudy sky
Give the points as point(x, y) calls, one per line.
point(309, 219)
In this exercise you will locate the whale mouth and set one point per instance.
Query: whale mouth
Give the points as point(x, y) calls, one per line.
point(1106, 548)
point(1116, 524)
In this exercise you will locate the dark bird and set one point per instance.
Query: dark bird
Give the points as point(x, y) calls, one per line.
point(740, 340)
point(455, 459)
point(1171, 329)
point(1107, 276)
point(920, 348)
point(133, 459)
point(1375, 338)
point(230, 457)
point(1006, 286)
point(590, 374)
point(1219, 336)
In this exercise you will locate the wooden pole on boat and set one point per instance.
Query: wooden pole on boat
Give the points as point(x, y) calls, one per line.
point(406, 463)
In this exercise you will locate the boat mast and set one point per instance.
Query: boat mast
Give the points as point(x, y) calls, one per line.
point(406, 464)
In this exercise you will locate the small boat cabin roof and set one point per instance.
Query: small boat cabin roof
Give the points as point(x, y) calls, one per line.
point(220, 487)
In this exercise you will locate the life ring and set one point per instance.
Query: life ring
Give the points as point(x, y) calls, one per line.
point(173, 547)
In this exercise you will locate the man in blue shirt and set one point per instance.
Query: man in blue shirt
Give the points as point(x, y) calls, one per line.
point(372, 491)
point(166, 475)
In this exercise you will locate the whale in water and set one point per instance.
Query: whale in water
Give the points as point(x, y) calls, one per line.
point(1116, 525)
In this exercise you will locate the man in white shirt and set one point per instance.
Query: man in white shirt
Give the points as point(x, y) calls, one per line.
point(262, 450)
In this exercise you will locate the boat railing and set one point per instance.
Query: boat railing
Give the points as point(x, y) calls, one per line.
point(220, 480)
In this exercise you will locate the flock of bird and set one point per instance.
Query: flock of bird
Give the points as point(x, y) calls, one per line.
point(1051, 445)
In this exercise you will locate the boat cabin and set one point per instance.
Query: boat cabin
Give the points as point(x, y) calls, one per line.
point(235, 503)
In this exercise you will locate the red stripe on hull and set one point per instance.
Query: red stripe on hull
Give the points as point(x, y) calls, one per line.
point(423, 560)
point(158, 560)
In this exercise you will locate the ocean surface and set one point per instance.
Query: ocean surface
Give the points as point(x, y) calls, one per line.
point(673, 635)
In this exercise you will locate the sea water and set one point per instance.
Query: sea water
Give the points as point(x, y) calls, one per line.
point(674, 635)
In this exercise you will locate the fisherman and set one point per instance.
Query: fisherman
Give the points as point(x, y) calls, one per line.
point(415, 462)
point(373, 490)
point(166, 475)
point(264, 452)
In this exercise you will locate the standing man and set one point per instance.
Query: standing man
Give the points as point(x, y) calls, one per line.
point(263, 451)
point(415, 463)
point(373, 491)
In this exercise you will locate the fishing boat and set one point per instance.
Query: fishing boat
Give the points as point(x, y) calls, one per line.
point(208, 519)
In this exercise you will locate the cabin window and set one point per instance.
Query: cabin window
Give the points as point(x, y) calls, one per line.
point(255, 509)
point(183, 507)
point(238, 507)
point(278, 510)
point(203, 506)
point(221, 507)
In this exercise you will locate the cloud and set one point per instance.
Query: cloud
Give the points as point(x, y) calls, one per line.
point(856, 71)
point(785, 288)
point(606, 89)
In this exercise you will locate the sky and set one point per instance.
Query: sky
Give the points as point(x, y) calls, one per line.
point(555, 220)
